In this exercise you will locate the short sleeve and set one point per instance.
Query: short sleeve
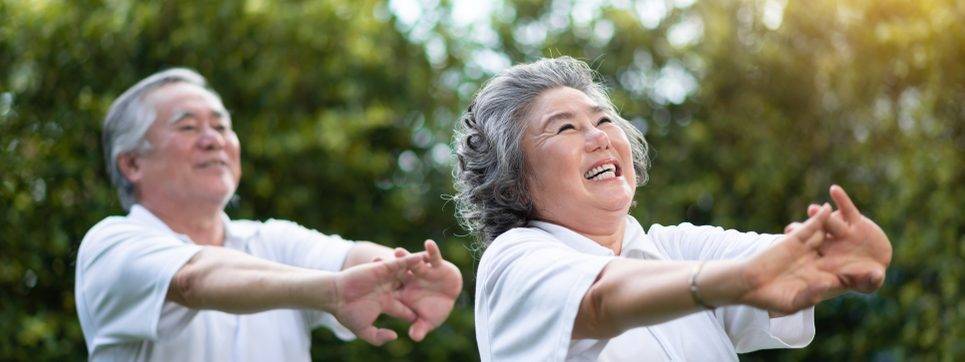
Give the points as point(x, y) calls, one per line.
point(528, 293)
point(749, 328)
point(299, 246)
point(689, 242)
point(123, 274)
point(296, 245)
point(752, 329)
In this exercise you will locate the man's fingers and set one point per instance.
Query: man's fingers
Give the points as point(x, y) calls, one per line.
point(400, 252)
point(399, 310)
point(376, 336)
point(399, 266)
point(435, 256)
point(841, 199)
point(419, 330)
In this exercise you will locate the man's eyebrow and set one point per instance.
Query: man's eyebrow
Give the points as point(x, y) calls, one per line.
point(179, 115)
point(182, 114)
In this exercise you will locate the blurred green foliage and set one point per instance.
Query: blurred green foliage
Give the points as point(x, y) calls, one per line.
point(345, 110)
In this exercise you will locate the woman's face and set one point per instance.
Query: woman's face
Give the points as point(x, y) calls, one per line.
point(578, 162)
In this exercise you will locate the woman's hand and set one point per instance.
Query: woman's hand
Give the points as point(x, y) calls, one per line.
point(788, 277)
point(857, 251)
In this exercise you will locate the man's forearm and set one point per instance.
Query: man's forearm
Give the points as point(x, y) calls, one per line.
point(364, 252)
point(234, 282)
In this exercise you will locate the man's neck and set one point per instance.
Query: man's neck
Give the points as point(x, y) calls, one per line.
point(202, 224)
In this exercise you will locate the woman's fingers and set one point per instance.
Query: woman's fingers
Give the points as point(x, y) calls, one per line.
point(814, 241)
point(836, 224)
point(791, 227)
point(847, 208)
point(813, 209)
point(814, 224)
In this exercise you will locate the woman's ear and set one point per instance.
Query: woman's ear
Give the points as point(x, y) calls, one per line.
point(130, 166)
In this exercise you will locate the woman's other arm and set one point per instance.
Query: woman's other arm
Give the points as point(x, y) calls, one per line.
point(784, 278)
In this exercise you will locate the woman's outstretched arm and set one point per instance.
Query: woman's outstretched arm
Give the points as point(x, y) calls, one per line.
point(784, 278)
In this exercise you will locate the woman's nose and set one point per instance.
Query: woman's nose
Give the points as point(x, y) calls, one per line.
point(596, 139)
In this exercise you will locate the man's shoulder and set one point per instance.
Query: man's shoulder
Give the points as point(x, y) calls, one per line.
point(113, 225)
point(114, 229)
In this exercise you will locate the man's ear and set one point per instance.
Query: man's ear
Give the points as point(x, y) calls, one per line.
point(130, 166)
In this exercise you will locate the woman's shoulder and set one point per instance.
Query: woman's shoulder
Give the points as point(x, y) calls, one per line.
point(512, 243)
point(520, 237)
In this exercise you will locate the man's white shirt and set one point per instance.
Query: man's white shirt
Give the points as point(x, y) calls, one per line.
point(125, 265)
point(531, 280)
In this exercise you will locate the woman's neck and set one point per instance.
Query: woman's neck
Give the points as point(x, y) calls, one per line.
point(610, 238)
point(605, 230)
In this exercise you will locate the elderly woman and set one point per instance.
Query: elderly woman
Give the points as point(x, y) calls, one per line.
point(546, 177)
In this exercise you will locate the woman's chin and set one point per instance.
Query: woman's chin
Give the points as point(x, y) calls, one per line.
point(614, 200)
point(616, 203)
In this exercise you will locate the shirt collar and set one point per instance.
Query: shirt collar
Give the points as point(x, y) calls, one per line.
point(636, 243)
point(234, 232)
point(141, 214)
point(572, 239)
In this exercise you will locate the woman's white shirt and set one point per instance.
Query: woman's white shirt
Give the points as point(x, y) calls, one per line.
point(531, 280)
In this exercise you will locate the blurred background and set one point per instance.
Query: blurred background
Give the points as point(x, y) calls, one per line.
point(345, 110)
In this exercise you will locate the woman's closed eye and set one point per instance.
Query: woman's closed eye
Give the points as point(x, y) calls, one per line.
point(604, 120)
point(564, 128)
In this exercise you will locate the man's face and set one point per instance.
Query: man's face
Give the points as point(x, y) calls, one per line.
point(194, 154)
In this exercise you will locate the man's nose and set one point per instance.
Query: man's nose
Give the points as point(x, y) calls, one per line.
point(211, 139)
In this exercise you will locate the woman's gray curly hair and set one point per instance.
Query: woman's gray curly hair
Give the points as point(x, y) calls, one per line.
point(491, 192)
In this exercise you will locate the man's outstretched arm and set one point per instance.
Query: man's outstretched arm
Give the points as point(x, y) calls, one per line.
point(235, 282)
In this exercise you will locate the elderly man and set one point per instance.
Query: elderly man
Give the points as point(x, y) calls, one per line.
point(176, 279)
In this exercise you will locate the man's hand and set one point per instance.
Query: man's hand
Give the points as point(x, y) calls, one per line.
point(365, 291)
point(430, 290)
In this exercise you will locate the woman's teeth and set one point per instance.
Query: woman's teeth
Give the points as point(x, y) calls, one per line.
point(602, 172)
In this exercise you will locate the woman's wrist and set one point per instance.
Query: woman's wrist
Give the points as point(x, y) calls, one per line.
point(722, 283)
